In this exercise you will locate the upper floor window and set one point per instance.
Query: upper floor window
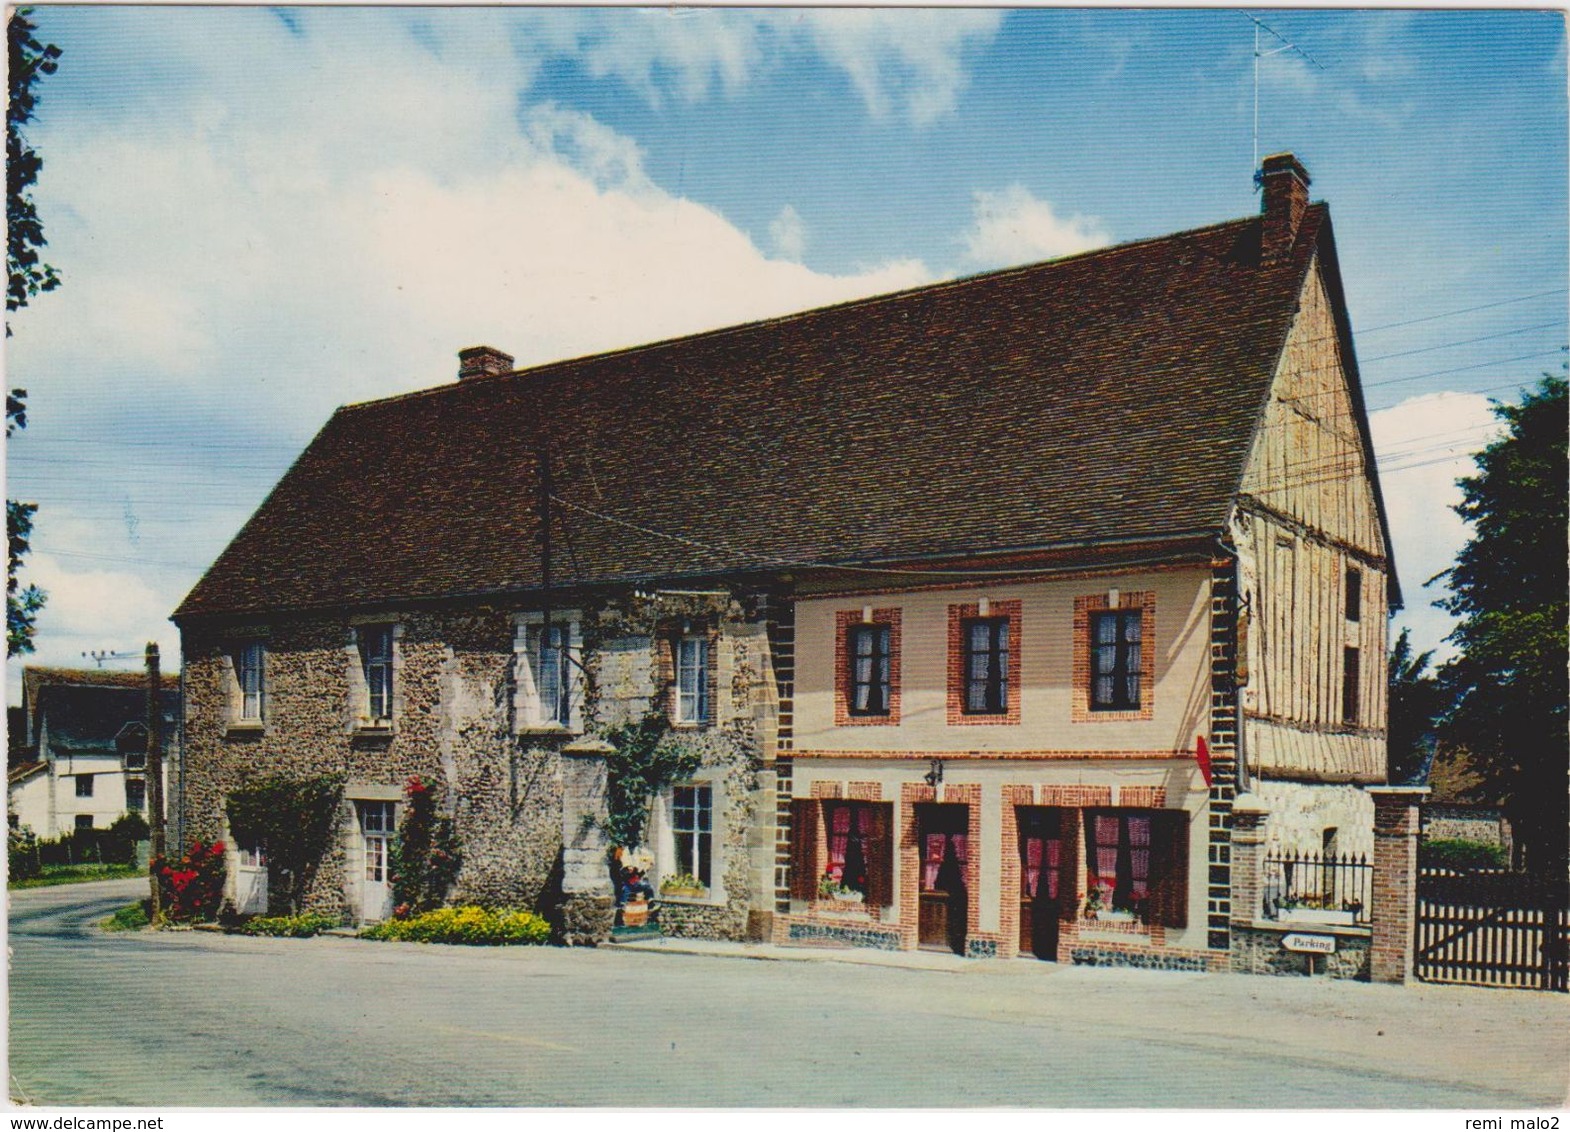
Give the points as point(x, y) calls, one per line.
point(553, 675)
point(870, 654)
point(1354, 594)
point(132, 745)
point(867, 666)
point(1350, 665)
point(986, 665)
point(135, 795)
point(548, 674)
point(692, 680)
point(248, 659)
point(1115, 654)
point(84, 786)
point(376, 661)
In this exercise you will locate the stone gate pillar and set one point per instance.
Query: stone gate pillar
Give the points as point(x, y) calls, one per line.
point(588, 908)
point(1249, 820)
point(1396, 828)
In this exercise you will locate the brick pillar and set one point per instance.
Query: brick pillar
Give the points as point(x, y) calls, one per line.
point(1395, 881)
point(588, 908)
point(1249, 819)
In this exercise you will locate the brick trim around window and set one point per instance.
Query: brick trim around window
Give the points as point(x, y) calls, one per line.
point(958, 615)
point(844, 620)
point(668, 637)
point(1084, 606)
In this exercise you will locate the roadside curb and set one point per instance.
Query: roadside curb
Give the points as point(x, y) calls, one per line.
point(861, 957)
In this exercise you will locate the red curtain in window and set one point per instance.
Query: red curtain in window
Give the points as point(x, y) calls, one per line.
point(839, 840)
point(932, 860)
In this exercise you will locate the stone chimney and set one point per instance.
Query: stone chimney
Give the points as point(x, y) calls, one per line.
point(1285, 200)
point(482, 361)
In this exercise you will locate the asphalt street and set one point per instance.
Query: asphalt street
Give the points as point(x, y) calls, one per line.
point(197, 1019)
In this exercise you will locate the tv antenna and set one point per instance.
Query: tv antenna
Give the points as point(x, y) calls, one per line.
point(1286, 45)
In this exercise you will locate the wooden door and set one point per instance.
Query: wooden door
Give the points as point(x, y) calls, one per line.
point(943, 899)
point(1041, 861)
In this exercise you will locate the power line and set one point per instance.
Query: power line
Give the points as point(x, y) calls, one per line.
point(1465, 341)
point(1463, 310)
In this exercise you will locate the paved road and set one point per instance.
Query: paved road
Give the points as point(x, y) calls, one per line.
point(186, 1018)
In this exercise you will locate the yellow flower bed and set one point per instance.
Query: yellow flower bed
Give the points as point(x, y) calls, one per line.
point(469, 924)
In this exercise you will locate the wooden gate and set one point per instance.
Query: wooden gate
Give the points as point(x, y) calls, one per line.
point(1492, 928)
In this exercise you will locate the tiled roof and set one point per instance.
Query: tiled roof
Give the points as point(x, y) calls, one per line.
point(21, 772)
point(91, 718)
point(35, 677)
point(1108, 397)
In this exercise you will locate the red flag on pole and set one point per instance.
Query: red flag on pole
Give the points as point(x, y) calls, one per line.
point(1202, 756)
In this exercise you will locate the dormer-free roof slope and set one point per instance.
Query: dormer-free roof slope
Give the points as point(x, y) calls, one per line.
point(1105, 398)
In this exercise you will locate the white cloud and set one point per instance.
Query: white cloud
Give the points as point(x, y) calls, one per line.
point(905, 59)
point(1013, 226)
point(1424, 444)
point(788, 233)
point(238, 266)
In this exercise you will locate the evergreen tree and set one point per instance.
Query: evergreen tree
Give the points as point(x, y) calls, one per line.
point(1509, 685)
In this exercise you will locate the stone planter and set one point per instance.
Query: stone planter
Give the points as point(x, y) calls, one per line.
point(685, 893)
point(1316, 916)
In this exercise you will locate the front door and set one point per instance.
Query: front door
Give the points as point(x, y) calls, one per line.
point(250, 882)
point(1041, 861)
point(377, 827)
point(943, 900)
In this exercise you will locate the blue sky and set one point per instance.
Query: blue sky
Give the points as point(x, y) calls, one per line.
point(262, 214)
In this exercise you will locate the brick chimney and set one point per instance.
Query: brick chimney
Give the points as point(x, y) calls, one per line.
point(1285, 200)
point(482, 361)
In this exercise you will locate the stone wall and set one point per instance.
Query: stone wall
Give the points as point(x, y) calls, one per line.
point(1257, 950)
point(1300, 812)
point(453, 721)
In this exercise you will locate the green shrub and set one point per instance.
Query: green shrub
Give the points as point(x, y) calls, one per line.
point(469, 924)
point(131, 918)
point(293, 927)
point(1458, 853)
point(23, 853)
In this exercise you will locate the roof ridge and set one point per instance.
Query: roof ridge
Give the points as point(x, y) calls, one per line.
point(939, 286)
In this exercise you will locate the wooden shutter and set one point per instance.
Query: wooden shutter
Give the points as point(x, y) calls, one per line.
point(1170, 835)
point(880, 855)
point(804, 848)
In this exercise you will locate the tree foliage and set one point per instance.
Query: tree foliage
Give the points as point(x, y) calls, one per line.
point(1508, 586)
point(1417, 702)
point(28, 61)
point(22, 604)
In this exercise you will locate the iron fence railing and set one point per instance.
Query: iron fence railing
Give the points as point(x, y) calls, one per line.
point(1327, 887)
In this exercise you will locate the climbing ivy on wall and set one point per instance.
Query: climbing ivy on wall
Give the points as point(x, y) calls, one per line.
point(292, 821)
point(649, 756)
point(424, 857)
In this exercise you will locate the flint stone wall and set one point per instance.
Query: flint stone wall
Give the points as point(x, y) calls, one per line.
point(453, 694)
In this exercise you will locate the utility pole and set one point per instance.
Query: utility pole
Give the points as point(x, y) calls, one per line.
point(155, 772)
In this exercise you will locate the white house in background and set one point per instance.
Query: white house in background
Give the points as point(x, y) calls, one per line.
point(85, 759)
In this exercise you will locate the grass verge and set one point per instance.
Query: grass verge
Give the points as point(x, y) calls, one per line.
point(131, 918)
point(78, 874)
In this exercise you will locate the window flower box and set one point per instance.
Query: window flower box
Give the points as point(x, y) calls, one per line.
point(1316, 916)
point(683, 886)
